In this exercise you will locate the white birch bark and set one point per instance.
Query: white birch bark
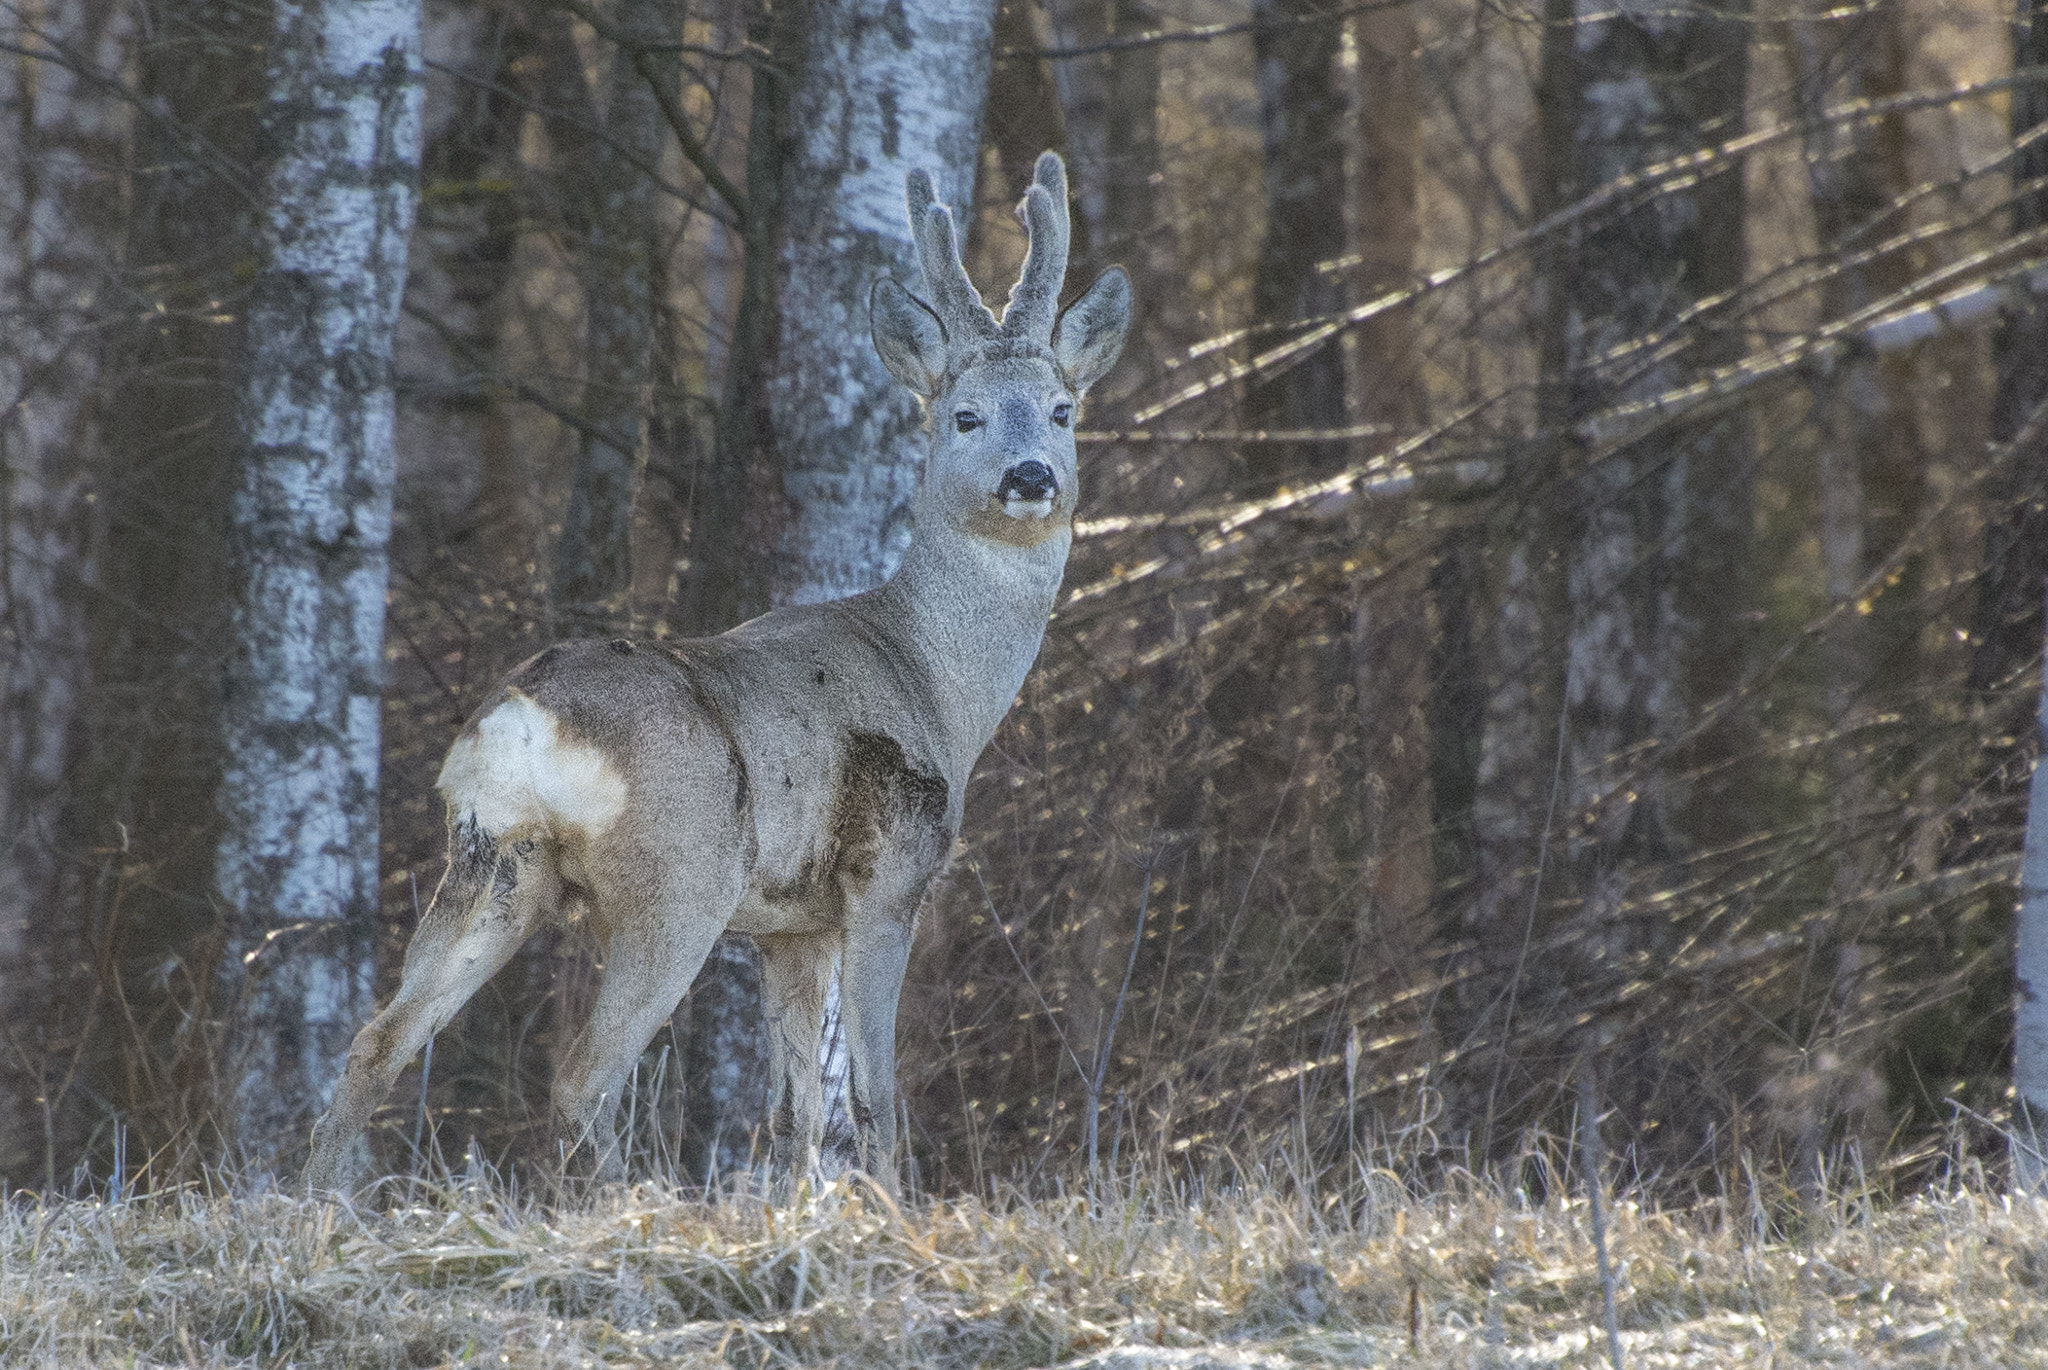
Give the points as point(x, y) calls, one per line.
point(58, 246)
point(296, 866)
point(888, 87)
point(2030, 983)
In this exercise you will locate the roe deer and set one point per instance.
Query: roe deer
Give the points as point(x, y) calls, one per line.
point(798, 778)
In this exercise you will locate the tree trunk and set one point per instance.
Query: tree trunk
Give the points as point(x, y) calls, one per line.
point(885, 88)
point(310, 529)
point(1635, 558)
point(1109, 116)
point(2009, 627)
point(1390, 633)
point(1024, 114)
point(618, 206)
point(1869, 483)
point(1302, 121)
point(59, 215)
point(817, 450)
point(461, 263)
point(2030, 979)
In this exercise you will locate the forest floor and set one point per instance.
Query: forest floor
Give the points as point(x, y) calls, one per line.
point(460, 1274)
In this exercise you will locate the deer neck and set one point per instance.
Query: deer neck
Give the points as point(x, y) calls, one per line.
point(974, 613)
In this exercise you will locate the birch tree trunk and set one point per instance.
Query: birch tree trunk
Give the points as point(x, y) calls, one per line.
point(1869, 460)
point(310, 529)
point(1869, 483)
point(59, 243)
point(2030, 981)
point(2011, 623)
point(1635, 559)
point(886, 87)
point(814, 436)
point(1640, 90)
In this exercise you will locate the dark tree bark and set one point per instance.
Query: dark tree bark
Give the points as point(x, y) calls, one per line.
point(1302, 109)
point(310, 528)
point(1871, 462)
point(1024, 114)
point(1633, 559)
point(617, 205)
point(59, 249)
point(1390, 630)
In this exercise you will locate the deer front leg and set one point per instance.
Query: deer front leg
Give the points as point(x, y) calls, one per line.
point(796, 973)
point(870, 983)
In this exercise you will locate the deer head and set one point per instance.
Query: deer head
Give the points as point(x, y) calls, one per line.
point(1000, 398)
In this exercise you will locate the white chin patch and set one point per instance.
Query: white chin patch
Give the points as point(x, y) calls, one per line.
point(1027, 508)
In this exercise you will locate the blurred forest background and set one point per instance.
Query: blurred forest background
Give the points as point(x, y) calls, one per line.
point(1558, 589)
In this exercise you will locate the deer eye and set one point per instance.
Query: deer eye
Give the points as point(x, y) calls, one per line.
point(1062, 414)
point(967, 420)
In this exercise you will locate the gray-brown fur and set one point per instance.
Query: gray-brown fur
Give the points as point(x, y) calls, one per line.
point(799, 778)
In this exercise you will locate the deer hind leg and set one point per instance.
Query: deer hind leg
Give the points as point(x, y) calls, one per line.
point(796, 973)
point(489, 902)
point(650, 961)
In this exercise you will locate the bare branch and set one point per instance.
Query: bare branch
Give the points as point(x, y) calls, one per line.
point(1202, 34)
point(641, 54)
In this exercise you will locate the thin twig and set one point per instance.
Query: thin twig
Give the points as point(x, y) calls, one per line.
point(1589, 1132)
point(642, 53)
point(1116, 1012)
point(605, 29)
point(1201, 34)
point(517, 389)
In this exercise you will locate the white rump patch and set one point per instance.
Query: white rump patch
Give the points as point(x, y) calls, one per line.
point(1027, 508)
point(517, 768)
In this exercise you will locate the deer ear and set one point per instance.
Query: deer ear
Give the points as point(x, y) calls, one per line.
point(908, 335)
point(1090, 333)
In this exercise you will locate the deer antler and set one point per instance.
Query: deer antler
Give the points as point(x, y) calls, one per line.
point(954, 298)
point(1034, 300)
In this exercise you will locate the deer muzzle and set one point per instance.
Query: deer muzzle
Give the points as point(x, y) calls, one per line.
point(1028, 489)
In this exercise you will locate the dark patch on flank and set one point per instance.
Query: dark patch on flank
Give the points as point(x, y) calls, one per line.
point(881, 800)
point(878, 790)
point(820, 677)
point(863, 1116)
point(623, 646)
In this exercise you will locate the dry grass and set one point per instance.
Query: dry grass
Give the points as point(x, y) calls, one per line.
point(461, 1273)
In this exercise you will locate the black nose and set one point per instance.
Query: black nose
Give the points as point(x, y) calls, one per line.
point(1028, 480)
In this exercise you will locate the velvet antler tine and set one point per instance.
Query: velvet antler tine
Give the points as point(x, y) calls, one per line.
point(1034, 300)
point(1050, 172)
point(954, 298)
